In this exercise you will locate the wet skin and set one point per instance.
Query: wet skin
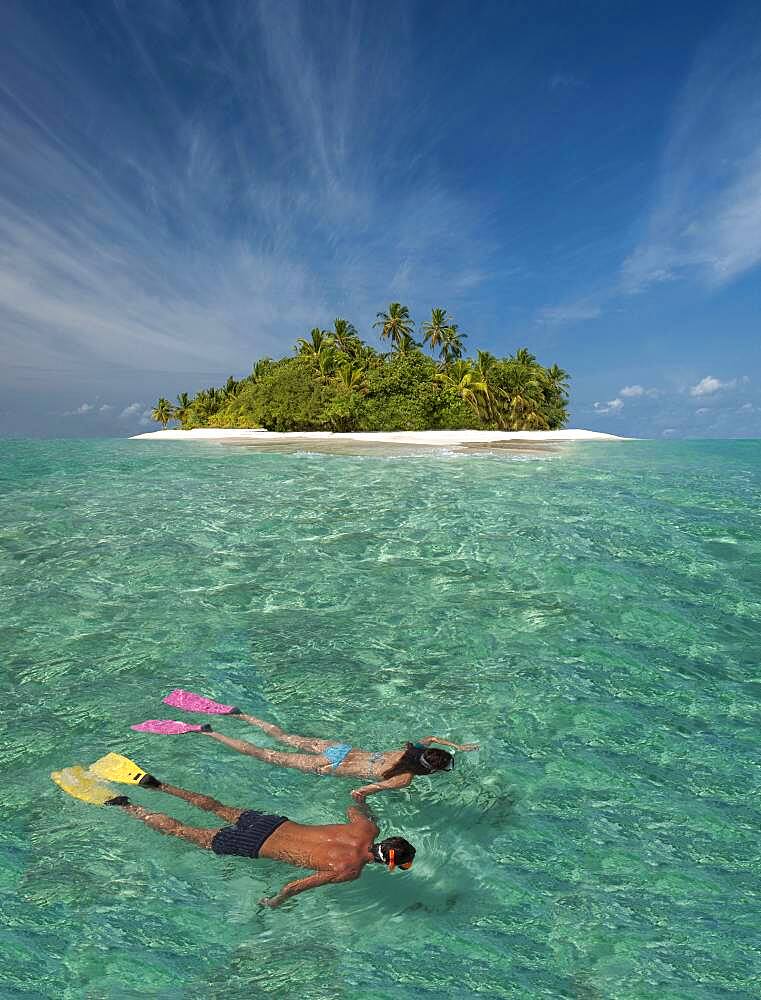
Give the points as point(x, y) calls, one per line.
point(337, 851)
point(357, 763)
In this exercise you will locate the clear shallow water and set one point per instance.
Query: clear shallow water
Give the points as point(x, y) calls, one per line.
point(593, 618)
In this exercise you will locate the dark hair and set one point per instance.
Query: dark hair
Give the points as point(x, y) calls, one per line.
point(404, 852)
point(421, 760)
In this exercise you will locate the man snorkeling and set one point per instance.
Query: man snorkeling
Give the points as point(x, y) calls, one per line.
point(337, 852)
point(386, 769)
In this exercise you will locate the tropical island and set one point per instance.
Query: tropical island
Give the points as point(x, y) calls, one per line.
point(336, 382)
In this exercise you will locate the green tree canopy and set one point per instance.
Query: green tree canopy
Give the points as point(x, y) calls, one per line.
point(182, 407)
point(335, 381)
point(162, 412)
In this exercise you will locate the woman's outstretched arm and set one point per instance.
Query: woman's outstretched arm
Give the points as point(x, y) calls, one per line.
point(398, 781)
point(427, 740)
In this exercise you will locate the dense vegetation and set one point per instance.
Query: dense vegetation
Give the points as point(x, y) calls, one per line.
point(337, 382)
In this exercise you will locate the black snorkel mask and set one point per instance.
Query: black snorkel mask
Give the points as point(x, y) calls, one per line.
point(430, 768)
point(390, 861)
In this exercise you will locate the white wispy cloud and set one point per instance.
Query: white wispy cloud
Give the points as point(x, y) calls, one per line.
point(212, 231)
point(80, 410)
point(612, 406)
point(709, 385)
point(565, 81)
point(132, 410)
point(571, 312)
point(706, 216)
point(137, 412)
point(636, 391)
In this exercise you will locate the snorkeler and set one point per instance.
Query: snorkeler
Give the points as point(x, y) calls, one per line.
point(337, 852)
point(386, 769)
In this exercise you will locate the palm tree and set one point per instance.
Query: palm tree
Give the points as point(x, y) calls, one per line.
point(523, 395)
point(485, 361)
point(162, 412)
point(441, 332)
point(460, 378)
point(555, 387)
point(395, 325)
point(484, 366)
point(558, 379)
point(182, 407)
point(260, 369)
point(325, 362)
point(231, 388)
point(451, 344)
point(351, 379)
point(320, 341)
point(433, 329)
point(345, 337)
point(208, 402)
point(406, 344)
point(524, 357)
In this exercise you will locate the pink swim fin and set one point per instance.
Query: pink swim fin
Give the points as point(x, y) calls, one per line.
point(165, 727)
point(190, 702)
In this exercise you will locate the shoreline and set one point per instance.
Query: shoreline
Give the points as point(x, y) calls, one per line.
point(459, 439)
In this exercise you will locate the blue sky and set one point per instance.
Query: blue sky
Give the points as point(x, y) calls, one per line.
point(187, 186)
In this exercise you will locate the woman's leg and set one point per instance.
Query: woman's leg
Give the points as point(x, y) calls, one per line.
point(202, 802)
point(301, 761)
point(310, 743)
point(199, 836)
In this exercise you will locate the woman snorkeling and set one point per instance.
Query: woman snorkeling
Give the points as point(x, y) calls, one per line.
point(385, 769)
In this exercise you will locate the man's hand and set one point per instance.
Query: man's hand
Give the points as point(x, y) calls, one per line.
point(469, 746)
point(361, 808)
point(272, 902)
point(302, 884)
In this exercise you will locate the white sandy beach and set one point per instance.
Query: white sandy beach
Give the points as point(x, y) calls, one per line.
point(434, 439)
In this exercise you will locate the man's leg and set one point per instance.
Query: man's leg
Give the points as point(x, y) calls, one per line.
point(310, 743)
point(199, 836)
point(206, 802)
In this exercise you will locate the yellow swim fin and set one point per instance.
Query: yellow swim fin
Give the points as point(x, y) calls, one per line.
point(114, 767)
point(84, 785)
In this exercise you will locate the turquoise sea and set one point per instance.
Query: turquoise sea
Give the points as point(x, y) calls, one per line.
point(591, 616)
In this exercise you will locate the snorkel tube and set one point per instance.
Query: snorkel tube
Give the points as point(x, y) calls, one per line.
point(390, 862)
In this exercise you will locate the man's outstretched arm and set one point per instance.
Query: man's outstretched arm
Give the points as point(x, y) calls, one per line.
point(302, 884)
point(361, 814)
